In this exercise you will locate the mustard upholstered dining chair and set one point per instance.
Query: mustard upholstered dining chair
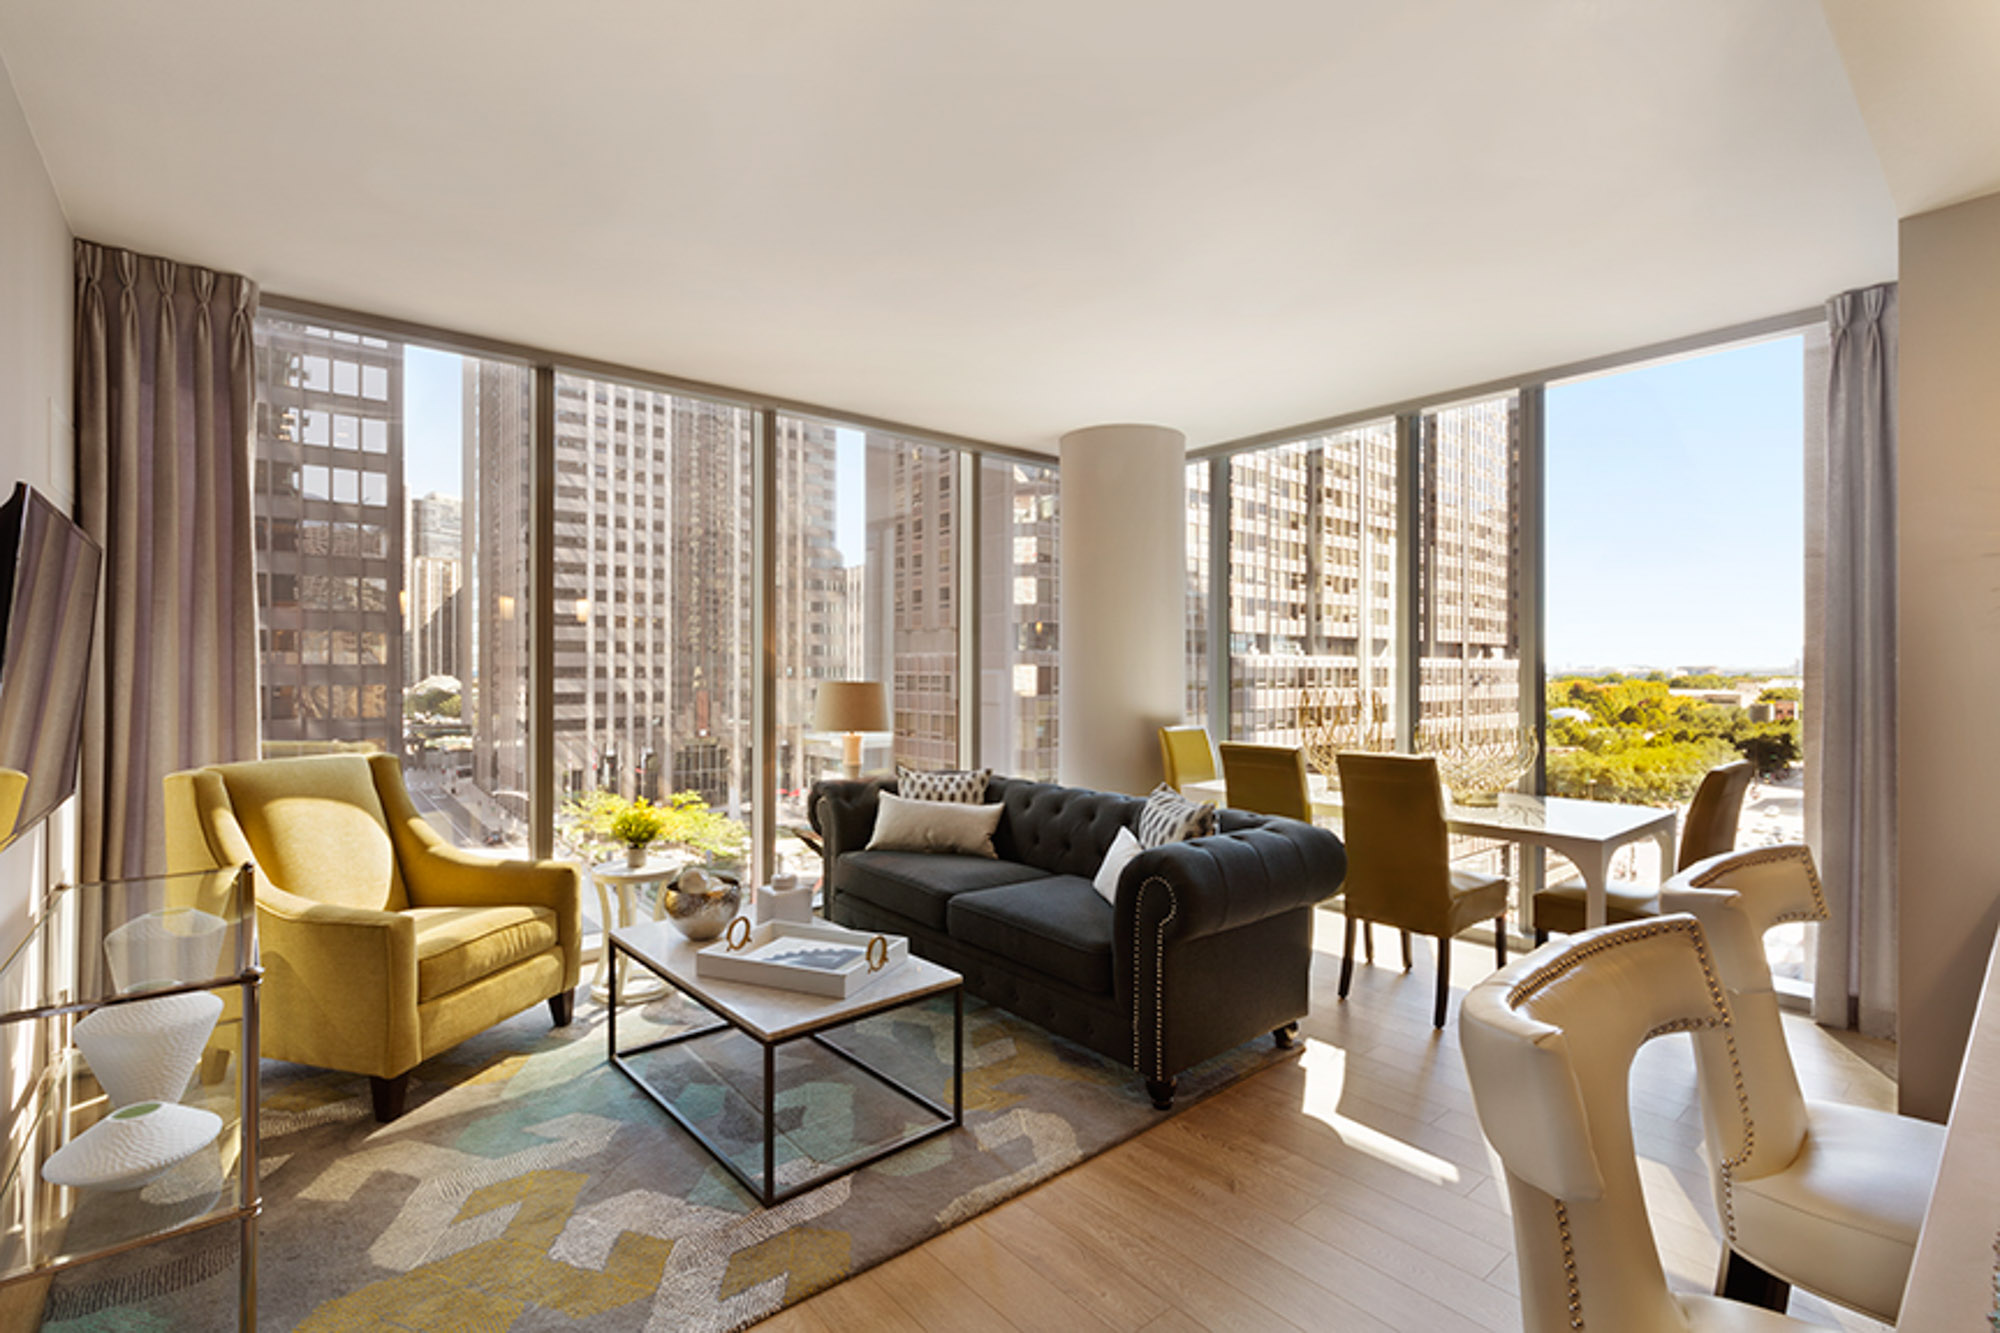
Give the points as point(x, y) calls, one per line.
point(1267, 779)
point(1828, 1197)
point(382, 945)
point(1399, 863)
point(1273, 780)
point(1548, 1046)
point(1185, 755)
point(1710, 831)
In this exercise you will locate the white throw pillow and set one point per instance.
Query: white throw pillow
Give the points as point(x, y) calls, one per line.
point(904, 825)
point(1123, 848)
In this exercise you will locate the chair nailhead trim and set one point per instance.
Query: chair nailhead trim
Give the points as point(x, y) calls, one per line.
point(1569, 1265)
point(1758, 856)
point(1613, 937)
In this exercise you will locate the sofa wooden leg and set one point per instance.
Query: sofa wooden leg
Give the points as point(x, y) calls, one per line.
point(1742, 1280)
point(562, 1007)
point(1444, 982)
point(1286, 1037)
point(1347, 958)
point(390, 1095)
point(1161, 1090)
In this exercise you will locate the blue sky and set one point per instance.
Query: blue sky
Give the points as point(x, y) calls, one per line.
point(1676, 513)
point(1675, 506)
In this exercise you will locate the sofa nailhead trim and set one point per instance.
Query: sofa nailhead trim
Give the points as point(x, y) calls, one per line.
point(1159, 977)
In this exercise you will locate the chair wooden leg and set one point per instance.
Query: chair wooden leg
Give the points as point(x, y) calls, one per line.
point(1541, 937)
point(1347, 957)
point(1742, 1280)
point(1408, 961)
point(389, 1094)
point(562, 1007)
point(1444, 982)
point(1500, 940)
point(1368, 942)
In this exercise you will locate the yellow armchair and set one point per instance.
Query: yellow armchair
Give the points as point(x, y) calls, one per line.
point(382, 945)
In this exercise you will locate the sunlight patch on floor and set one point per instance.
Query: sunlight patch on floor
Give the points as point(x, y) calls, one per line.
point(1326, 1071)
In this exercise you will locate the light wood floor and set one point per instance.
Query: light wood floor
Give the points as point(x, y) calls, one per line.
point(1347, 1189)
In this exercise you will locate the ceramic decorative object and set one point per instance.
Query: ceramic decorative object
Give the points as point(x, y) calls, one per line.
point(701, 902)
point(131, 1147)
point(635, 858)
point(784, 899)
point(165, 948)
point(147, 1050)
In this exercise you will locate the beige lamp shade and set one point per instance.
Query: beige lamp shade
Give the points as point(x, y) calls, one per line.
point(851, 705)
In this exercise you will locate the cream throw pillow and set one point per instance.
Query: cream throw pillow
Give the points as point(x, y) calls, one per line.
point(1123, 848)
point(904, 825)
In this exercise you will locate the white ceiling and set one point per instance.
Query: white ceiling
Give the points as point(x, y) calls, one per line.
point(1000, 220)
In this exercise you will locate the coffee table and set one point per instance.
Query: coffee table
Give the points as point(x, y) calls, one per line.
point(772, 1018)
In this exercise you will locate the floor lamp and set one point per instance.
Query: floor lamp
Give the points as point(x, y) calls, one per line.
point(851, 707)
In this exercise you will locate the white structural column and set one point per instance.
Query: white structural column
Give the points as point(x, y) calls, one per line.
point(1124, 594)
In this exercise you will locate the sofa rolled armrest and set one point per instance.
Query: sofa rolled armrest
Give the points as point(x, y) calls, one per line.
point(842, 812)
point(348, 976)
point(1186, 890)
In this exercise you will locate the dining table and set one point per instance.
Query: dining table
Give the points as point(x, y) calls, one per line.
point(1585, 833)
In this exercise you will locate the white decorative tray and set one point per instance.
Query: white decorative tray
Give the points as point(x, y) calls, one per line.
point(815, 957)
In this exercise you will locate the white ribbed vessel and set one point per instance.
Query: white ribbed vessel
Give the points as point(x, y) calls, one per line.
point(165, 948)
point(147, 1050)
point(132, 1146)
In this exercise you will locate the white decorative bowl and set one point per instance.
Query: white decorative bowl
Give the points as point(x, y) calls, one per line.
point(147, 1050)
point(165, 948)
point(131, 1147)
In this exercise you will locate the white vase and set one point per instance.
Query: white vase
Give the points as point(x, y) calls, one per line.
point(147, 1050)
point(131, 1147)
point(165, 948)
point(635, 857)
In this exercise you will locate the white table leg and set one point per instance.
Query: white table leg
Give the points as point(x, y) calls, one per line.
point(1596, 871)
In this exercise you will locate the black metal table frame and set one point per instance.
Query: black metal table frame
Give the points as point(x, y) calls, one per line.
point(767, 1192)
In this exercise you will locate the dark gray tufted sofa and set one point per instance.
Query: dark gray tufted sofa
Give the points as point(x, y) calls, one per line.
point(1209, 944)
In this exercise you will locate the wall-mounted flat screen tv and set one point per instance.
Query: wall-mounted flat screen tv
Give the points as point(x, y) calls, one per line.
point(48, 610)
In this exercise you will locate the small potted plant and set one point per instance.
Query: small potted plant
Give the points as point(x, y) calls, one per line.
point(637, 826)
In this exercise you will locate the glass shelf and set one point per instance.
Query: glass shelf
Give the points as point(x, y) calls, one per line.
point(117, 943)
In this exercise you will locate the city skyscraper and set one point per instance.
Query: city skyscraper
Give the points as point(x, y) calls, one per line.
point(432, 588)
point(328, 502)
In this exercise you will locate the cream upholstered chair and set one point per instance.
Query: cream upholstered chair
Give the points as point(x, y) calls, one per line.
point(1185, 755)
point(1548, 1046)
point(382, 945)
point(1829, 1197)
point(1710, 831)
point(1399, 863)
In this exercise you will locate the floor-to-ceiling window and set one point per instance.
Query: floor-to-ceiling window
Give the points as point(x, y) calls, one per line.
point(651, 613)
point(1020, 538)
point(1312, 591)
point(390, 501)
point(1675, 558)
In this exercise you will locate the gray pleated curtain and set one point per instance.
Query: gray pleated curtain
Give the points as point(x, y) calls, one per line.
point(1855, 980)
point(165, 397)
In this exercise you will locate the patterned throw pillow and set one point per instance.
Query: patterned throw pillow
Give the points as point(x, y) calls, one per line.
point(967, 787)
point(1172, 817)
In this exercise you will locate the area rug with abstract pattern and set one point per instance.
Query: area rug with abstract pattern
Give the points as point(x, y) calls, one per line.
point(532, 1186)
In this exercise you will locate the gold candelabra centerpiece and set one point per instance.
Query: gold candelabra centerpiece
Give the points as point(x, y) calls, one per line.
point(1332, 719)
point(1476, 769)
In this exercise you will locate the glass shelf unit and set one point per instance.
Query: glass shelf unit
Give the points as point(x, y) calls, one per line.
point(115, 943)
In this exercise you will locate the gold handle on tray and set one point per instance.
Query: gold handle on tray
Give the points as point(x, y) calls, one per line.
point(878, 953)
point(731, 938)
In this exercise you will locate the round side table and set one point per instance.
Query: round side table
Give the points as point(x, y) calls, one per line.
point(625, 879)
